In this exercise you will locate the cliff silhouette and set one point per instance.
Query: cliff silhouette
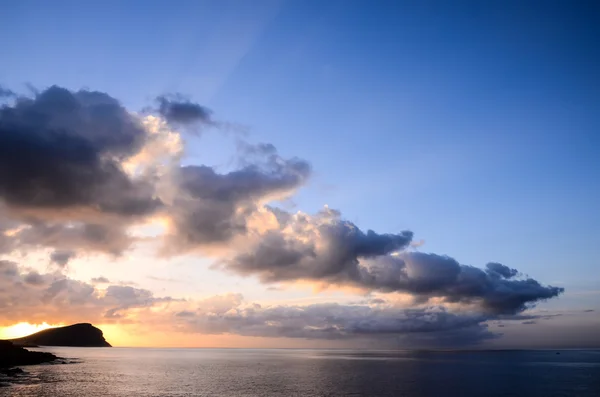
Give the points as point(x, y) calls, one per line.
point(77, 335)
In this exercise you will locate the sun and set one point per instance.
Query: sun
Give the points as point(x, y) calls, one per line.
point(22, 329)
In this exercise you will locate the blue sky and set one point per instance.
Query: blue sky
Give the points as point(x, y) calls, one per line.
point(474, 124)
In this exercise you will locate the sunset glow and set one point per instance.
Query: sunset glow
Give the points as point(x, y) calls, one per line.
point(250, 175)
point(23, 329)
point(300, 198)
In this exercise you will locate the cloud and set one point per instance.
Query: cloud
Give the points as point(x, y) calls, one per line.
point(73, 236)
point(176, 109)
point(62, 175)
point(325, 248)
point(165, 279)
point(63, 149)
point(376, 301)
point(213, 208)
point(123, 297)
point(79, 172)
point(529, 315)
point(334, 321)
point(62, 257)
point(26, 295)
point(29, 296)
point(100, 280)
point(4, 92)
point(501, 270)
point(33, 278)
point(185, 313)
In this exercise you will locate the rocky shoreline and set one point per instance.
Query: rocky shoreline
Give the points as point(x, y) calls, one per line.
point(14, 356)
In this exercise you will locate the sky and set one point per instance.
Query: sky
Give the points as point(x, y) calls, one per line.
point(390, 174)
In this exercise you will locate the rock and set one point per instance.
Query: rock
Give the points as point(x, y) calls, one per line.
point(11, 371)
point(12, 356)
point(79, 335)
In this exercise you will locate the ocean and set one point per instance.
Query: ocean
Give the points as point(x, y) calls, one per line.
point(255, 372)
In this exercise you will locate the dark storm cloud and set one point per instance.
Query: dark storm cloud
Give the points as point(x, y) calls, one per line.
point(213, 207)
point(343, 254)
point(62, 149)
point(62, 257)
point(176, 109)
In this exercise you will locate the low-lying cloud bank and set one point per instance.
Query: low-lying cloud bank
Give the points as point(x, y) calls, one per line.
point(335, 321)
point(78, 171)
point(27, 295)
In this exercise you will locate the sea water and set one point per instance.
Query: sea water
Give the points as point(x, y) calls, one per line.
point(253, 372)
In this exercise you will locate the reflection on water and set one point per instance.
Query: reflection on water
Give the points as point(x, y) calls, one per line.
point(250, 372)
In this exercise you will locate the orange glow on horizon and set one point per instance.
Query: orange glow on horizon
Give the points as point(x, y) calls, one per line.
point(23, 329)
point(135, 336)
point(119, 335)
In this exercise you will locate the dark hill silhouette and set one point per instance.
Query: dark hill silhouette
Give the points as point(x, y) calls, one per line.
point(79, 335)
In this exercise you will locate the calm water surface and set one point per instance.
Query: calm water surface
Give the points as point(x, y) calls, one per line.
point(216, 372)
